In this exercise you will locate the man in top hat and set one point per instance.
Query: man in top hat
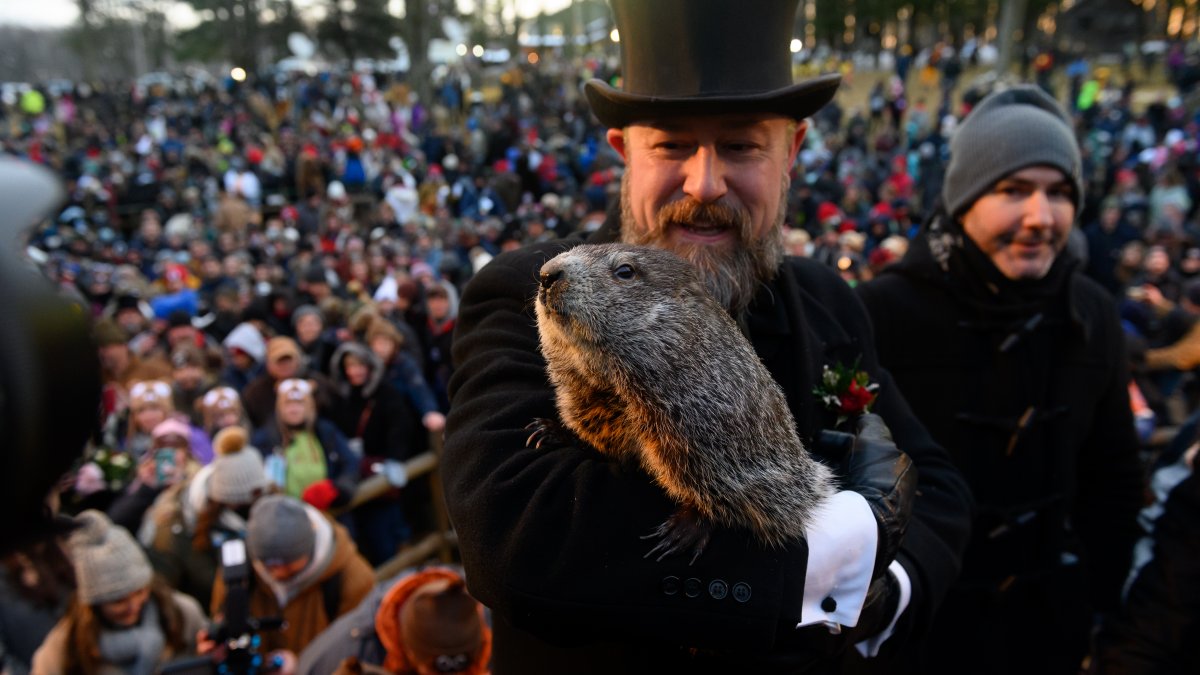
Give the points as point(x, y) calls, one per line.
point(709, 123)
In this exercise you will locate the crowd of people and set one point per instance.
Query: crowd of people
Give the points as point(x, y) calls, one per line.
point(274, 270)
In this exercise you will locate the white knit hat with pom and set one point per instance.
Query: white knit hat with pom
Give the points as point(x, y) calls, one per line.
point(109, 564)
point(238, 475)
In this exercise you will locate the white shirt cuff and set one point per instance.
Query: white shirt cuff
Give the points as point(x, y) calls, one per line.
point(870, 647)
point(842, 538)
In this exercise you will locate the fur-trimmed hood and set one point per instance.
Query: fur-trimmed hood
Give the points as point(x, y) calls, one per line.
point(363, 353)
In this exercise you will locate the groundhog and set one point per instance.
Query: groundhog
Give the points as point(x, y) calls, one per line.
point(648, 367)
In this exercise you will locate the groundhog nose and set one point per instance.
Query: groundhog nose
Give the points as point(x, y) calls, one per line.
point(549, 277)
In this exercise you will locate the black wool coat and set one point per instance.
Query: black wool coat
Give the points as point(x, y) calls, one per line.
point(550, 538)
point(1032, 403)
point(1159, 625)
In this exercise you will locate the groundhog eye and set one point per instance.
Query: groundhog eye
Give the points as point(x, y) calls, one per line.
point(624, 272)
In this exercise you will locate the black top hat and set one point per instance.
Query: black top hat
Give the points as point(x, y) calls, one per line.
point(706, 57)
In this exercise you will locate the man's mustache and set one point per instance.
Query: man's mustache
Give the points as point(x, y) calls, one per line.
point(689, 212)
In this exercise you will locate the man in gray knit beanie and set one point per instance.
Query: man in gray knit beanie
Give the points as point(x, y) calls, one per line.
point(1014, 182)
point(1014, 360)
point(1007, 131)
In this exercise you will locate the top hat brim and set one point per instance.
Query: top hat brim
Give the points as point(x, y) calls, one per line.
point(617, 109)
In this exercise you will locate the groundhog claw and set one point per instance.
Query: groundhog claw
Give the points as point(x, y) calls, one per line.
point(543, 429)
point(685, 530)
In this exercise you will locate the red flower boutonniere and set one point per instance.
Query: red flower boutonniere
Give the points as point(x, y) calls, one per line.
point(846, 391)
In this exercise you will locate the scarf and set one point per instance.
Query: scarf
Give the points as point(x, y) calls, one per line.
point(945, 254)
point(137, 649)
point(305, 463)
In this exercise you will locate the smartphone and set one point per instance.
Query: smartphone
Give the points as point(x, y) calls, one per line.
point(164, 464)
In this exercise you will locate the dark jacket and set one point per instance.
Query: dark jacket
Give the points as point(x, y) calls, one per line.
point(356, 633)
point(376, 412)
point(340, 464)
point(550, 537)
point(1158, 628)
point(1029, 393)
point(352, 635)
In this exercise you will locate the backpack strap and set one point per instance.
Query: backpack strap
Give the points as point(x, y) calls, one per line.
point(331, 595)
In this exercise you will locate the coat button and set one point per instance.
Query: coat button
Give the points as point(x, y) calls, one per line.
point(718, 589)
point(741, 591)
point(670, 585)
point(829, 604)
point(692, 587)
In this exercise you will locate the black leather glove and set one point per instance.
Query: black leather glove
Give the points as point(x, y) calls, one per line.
point(883, 597)
point(346, 488)
point(876, 469)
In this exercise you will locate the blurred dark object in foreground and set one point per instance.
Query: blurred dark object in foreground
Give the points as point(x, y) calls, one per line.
point(49, 367)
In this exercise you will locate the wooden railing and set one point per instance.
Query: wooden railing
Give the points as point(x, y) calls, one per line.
point(442, 542)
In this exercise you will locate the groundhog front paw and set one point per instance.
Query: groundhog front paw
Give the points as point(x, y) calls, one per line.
point(686, 530)
point(543, 430)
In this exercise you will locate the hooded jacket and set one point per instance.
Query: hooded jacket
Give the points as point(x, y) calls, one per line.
point(370, 633)
point(376, 412)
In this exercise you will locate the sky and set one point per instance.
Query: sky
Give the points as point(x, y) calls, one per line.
point(58, 13)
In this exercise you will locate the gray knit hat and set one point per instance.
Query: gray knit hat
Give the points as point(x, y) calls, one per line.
point(304, 310)
point(237, 475)
point(279, 530)
point(109, 564)
point(1007, 131)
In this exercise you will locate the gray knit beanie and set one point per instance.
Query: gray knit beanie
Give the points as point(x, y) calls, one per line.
point(1007, 131)
point(238, 475)
point(109, 564)
point(304, 310)
point(279, 530)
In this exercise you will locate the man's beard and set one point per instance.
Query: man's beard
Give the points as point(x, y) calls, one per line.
point(732, 273)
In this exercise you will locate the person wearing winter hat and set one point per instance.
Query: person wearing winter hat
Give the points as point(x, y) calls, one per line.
point(1051, 451)
point(190, 378)
point(184, 528)
point(709, 122)
point(170, 462)
point(307, 568)
point(120, 368)
point(284, 360)
point(302, 448)
point(421, 621)
point(382, 423)
point(221, 407)
point(122, 619)
point(315, 342)
point(150, 403)
point(246, 349)
point(402, 369)
point(238, 477)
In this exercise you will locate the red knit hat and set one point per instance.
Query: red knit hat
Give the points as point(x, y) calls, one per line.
point(829, 214)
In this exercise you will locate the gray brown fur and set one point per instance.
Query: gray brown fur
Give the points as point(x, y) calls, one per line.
point(654, 370)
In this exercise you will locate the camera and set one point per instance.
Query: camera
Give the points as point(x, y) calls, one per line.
point(238, 633)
